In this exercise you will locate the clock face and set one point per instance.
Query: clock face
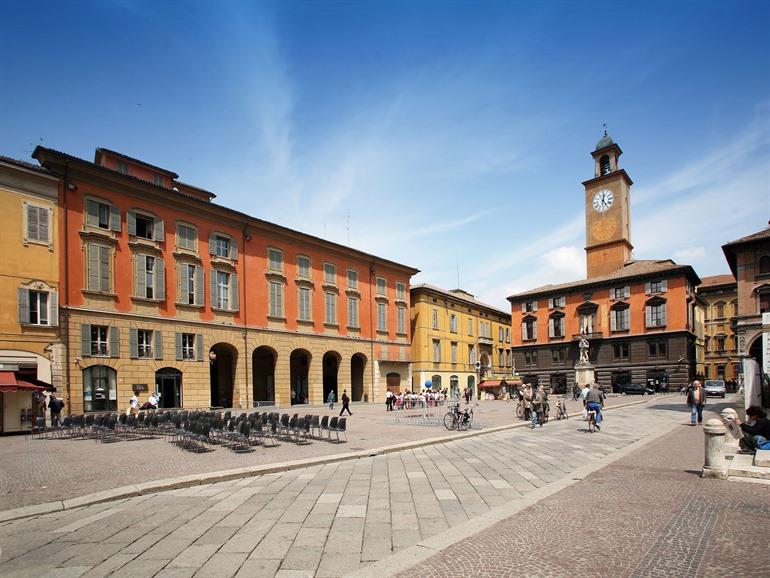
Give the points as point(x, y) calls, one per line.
point(603, 230)
point(603, 200)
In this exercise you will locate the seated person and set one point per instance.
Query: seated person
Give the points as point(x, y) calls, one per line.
point(756, 429)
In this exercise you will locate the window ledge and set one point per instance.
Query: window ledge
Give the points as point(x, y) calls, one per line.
point(304, 282)
point(275, 275)
point(302, 321)
point(326, 286)
point(146, 299)
point(331, 325)
point(655, 326)
point(354, 327)
point(100, 235)
point(218, 261)
point(381, 298)
point(400, 300)
point(353, 291)
point(189, 305)
point(220, 310)
point(277, 318)
point(620, 331)
point(99, 293)
point(401, 333)
point(187, 254)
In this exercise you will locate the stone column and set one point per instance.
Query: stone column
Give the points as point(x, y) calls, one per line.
point(714, 466)
point(734, 434)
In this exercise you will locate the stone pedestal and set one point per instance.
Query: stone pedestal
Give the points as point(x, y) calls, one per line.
point(714, 466)
point(584, 374)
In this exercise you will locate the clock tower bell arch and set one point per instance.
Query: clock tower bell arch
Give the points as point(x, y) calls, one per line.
point(608, 213)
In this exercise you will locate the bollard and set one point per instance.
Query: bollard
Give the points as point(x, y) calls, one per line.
point(715, 449)
point(729, 419)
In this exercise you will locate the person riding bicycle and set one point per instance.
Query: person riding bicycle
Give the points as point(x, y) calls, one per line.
point(595, 402)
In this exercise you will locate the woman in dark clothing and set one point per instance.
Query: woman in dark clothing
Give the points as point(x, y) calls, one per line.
point(757, 426)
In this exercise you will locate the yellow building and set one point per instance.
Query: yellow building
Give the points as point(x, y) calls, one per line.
point(720, 294)
point(457, 341)
point(30, 350)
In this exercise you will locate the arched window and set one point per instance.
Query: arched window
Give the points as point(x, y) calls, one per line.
point(529, 328)
point(655, 312)
point(100, 391)
point(556, 325)
point(764, 265)
point(604, 165)
point(719, 310)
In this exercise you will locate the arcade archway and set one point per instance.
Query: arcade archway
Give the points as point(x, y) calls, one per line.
point(357, 368)
point(263, 374)
point(299, 363)
point(222, 360)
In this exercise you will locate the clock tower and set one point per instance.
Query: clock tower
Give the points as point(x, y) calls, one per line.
point(608, 214)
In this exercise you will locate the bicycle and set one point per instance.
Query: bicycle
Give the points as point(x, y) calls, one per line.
point(561, 410)
point(459, 420)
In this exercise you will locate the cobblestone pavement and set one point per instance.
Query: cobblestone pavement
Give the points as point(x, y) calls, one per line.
point(649, 514)
point(36, 471)
point(324, 520)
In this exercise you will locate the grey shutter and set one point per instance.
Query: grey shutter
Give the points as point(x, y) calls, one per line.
point(663, 317)
point(613, 321)
point(131, 222)
point(85, 340)
point(157, 344)
point(32, 223)
point(93, 267)
point(523, 307)
point(211, 244)
point(92, 213)
point(115, 218)
point(664, 286)
point(234, 290)
point(523, 331)
point(158, 232)
point(182, 279)
point(550, 303)
point(647, 288)
point(133, 343)
point(626, 291)
point(140, 275)
point(648, 315)
point(160, 279)
point(213, 289)
point(178, 345)
point(534, 306)
point(627, 318)
point(53, 309)
point(104, 268)
point(233, 249)
point(551, 328)
point(23, 306)
point(534, 330)
point(43, 224)
point(114, 342)
point(199, 347)
point(199, 279)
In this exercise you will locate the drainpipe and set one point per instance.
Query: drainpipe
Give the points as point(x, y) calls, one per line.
point(64, 319)
point(246, 237)
point(372, 330)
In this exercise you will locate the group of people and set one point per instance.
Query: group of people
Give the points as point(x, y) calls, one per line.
point(409, 400)
point(152, 403)
point(534, 404)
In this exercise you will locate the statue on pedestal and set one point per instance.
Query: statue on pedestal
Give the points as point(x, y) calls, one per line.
point(583, 351)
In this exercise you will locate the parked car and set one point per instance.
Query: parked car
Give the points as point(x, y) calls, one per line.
point(634, 389)
point(715, 387)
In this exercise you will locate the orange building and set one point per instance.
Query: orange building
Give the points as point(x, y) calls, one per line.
point(163, 290)
point(638, 316)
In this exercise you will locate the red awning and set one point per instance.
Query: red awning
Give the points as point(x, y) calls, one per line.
point(9, 383)
point(492, 383)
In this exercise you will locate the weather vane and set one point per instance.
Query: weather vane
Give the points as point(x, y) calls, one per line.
point(604, 125)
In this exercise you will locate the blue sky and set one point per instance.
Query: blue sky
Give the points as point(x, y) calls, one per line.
point(455, 134)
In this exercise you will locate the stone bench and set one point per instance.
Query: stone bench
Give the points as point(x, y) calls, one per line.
point(762, 459)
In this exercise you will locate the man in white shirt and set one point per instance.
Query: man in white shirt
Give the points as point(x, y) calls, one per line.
point(153, 400)
point(584, 392)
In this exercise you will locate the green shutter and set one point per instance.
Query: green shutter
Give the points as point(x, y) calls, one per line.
point(114, 342)
point(115, 218)
point(23, 306)
point(140, 275)
point(234, 293)
point(178, 345)
point(160, 279)
point(211, 244)
point(133, 343)
point(183, 279)
point(233, 249)
point(104, 269)
point(158, 232)
point(92, 252)
point(85, 340)
point(131, 222)
point(213, 289)
point(199, 285)
point(157, 344)
point(92, 213)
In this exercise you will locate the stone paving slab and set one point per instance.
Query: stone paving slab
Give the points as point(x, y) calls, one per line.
point(48, 472)
point(246, 521)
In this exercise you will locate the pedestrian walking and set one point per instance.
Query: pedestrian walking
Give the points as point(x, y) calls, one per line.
point(345, 402)
point(575, 391)
point(331, 398)
point(55, 405)
point(696, 399)
point(537, 407)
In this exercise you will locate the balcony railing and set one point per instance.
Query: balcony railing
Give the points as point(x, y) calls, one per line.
point(589, 336)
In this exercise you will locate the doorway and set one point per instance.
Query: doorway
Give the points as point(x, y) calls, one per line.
point(168, 385)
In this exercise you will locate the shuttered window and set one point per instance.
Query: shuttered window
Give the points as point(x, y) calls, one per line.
point(353, 312)
point(382, 286)
point(382, 317)
point(102, 215)
point(303, 304)
point(187, 237)
point(149, 277)
point(37, 228)
point(223, 246)
point(303, 266)
point(98, 264)
point(401, 320)
point(275, 259)
point(224, 290)
point(276, 299)
point(655, 314)
point(189, 346)
point(330, 273)
point(190, 284)
point(145, 226)
point(330, 302)
point(38, 307)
